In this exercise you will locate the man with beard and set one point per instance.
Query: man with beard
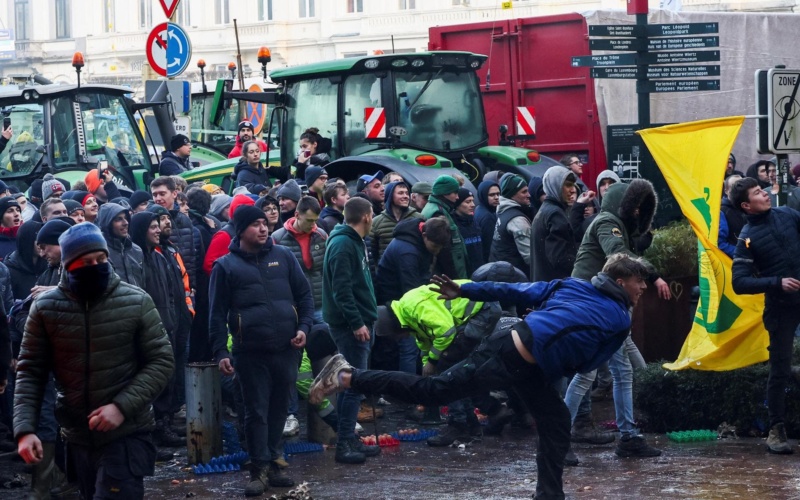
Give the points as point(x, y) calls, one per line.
point(246, 134)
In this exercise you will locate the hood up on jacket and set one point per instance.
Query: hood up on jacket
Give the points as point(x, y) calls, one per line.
point(536, 189)
point(26, 247)
point(140, 223)
point(388, 196)
point(554, 180)
point(752, 171)
point(609, 287)
point(483, 195)
point(606, 174)
point(106, 215)
point(623, 200)
point(410, 230)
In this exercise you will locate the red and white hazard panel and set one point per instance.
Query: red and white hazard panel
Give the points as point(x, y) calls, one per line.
point(526, 120)
point(375, 122)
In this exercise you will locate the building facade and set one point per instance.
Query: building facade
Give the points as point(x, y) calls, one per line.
point(40, 36)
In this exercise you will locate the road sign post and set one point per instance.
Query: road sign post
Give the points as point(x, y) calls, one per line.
point(168, 49)
point(783, 117)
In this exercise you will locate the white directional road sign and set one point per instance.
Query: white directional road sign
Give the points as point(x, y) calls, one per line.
point(168, 49)
point(784, 111)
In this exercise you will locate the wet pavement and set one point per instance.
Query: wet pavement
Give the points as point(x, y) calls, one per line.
point(504, 468)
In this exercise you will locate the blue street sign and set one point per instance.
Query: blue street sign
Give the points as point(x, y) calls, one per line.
point(179, 50)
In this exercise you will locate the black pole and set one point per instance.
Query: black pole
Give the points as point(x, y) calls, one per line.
point(642, 97)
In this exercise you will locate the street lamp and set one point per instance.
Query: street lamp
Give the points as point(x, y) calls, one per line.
point(232, 69)
point(202, 65)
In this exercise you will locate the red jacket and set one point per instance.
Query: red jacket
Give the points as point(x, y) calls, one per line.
point(237, 149)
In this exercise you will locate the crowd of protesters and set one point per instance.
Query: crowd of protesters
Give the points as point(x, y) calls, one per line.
point(289, 268)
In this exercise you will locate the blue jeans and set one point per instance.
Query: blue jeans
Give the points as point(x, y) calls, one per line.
point(356, 353)
point(408, 354)
point(622, 373)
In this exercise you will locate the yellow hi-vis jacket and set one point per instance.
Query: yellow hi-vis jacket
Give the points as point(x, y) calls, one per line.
point(433, 322)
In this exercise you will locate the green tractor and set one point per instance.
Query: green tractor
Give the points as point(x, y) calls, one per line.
point(68, 130)
point(418, 114)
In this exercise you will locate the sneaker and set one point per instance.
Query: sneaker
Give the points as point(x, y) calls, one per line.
point(291, 427)
point(181, 414)
point(258, 482)
point(450, 434)
point(584, 431)
point(570, 460)
point(327, 382)
point(776, 441)
point(347, 453)
point(382, 402)
point(366, 413)
point(231, 412)
point(368, 451)
point(277, 478)
point(498, 420)
point(163, 435)
point(635, 446)
point(358, 429)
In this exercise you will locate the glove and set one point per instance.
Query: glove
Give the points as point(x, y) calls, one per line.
point(429, 369)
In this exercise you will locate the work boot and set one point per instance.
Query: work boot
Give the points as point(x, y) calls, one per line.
point(366, 414)
point(258, 482)
point(327, 382)
point(450, 434)
point(634, 445)
point(64, 489)
point(776, 441)
point(498, 420)
point(163, 435)
point(291, 427)
point(45, 474)
point(584, 431)
point(277, 477)
point(347, 452)
point(368, 451)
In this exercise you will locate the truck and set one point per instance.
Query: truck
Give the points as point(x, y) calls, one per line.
point(529, 65)
point(427, 107)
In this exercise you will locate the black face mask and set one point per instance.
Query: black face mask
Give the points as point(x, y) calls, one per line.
point(89, 282)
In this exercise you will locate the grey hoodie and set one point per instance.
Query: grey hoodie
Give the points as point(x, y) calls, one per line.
point(553, 181)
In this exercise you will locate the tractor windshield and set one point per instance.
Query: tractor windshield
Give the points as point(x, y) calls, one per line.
point(109, 132)
point(441, 111)
point(23, 150)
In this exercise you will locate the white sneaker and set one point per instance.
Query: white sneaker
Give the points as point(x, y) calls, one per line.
point(291, 427)
point(359, 429)
point(382, 402)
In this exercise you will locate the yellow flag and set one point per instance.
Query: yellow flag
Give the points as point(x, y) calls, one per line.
point(505, 5)
point(728, 331)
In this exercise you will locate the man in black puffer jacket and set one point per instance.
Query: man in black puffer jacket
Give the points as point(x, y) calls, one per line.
point(766, 262)
point(259, 293)
point(553, 245)
point(104, 342)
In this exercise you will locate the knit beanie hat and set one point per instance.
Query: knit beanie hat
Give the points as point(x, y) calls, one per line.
point(51, 186)
point(210, 188)
point(50, 232)
point(36, 189)
point(7, 202)
point(314, 173)
point(158, 210)
point(218, 203)
point(291, 190)
point(463, 194)
point(79, 240)
point(246, 215)
point(72, 206)
point(238, 201)
point(422, 188)
point(178, 141)
point(445, 184)
point(92, 181)
point(139, 197)
point(511, 185)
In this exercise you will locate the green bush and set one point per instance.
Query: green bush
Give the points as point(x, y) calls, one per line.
point(674, 250)
point(691, 399)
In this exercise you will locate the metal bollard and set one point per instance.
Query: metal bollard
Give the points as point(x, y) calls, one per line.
point(203, 412)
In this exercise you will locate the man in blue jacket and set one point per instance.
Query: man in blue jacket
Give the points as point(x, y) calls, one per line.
point(259, 294)
point(575, 326)
point(765, 261)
